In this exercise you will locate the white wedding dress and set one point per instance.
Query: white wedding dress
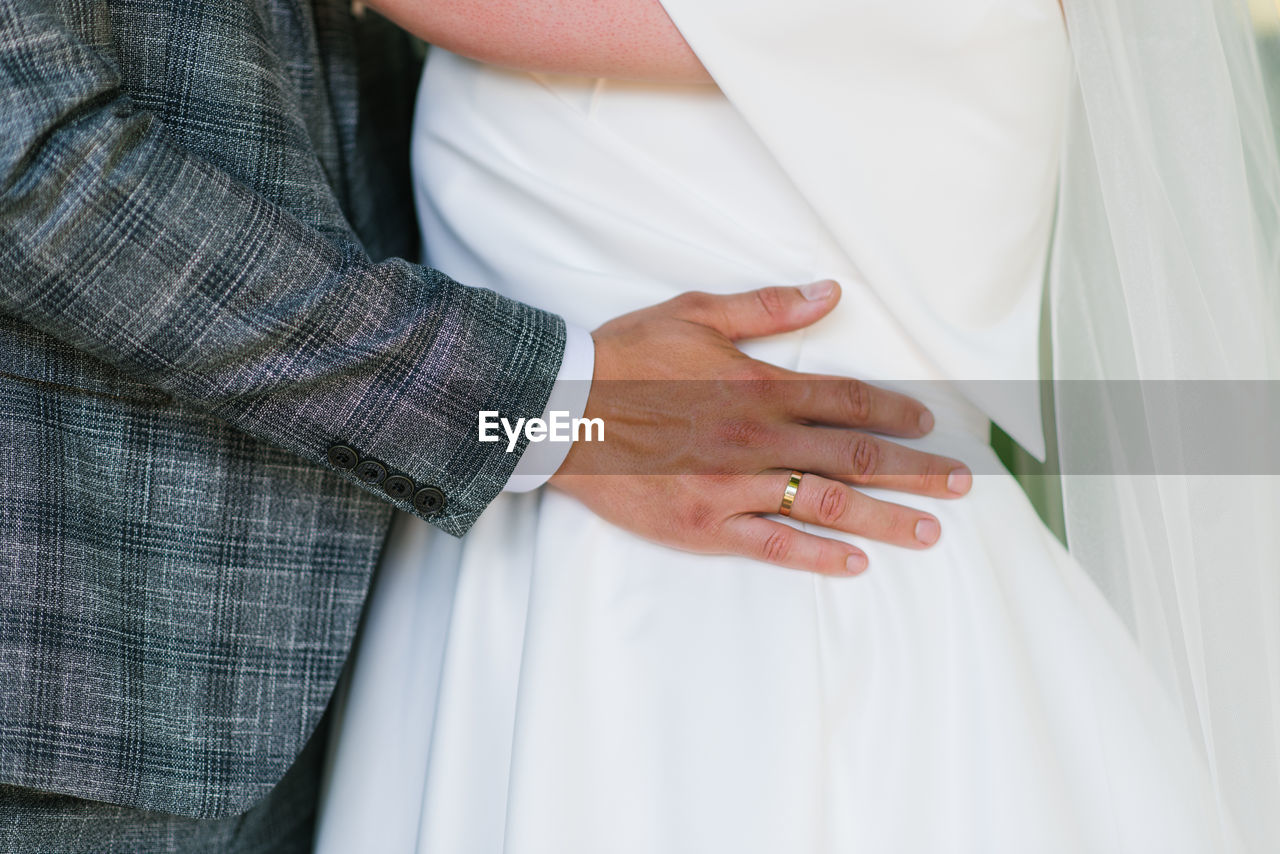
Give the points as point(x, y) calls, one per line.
point(551, 683)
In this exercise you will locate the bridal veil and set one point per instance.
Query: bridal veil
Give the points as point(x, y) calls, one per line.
point(1164, 294)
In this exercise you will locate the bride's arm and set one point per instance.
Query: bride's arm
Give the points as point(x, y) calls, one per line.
point(633, 39)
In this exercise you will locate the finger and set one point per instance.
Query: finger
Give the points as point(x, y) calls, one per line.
point(773, 542)
point(842, 402)
point(862, 459)
point(765, 311)
point(835, 505)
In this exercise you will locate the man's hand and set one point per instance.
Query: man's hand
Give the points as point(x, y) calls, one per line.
point(701, 438)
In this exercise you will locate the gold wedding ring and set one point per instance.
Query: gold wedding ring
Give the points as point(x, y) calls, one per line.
point(789, 497)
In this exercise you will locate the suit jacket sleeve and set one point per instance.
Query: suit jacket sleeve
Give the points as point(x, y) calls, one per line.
point(153, 260)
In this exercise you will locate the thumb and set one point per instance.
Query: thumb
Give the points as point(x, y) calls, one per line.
point(768, 311)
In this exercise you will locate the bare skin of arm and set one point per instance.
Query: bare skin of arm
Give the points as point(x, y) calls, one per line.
point(630, 39)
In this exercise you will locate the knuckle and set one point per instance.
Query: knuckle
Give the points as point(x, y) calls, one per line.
point(777, 546)
point(694, 302)
point(758, 377)
point(702, 518)
point(920, 472)
point(772, 302)
point(864, 458)
point(934, 477)
point(933, 474)
point(743, 433)
point(761, 389)
point(832, 504)
point(721, 481)
point(858, 401)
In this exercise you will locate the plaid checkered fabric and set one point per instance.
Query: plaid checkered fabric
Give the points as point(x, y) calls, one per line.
point(203, 204)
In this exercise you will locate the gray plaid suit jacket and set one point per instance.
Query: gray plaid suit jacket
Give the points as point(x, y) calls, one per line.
point(204, 326)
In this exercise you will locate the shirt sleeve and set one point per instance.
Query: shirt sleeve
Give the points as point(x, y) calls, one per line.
point(569, 397)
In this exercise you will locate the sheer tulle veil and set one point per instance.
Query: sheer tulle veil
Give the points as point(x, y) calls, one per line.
point(1165, 268)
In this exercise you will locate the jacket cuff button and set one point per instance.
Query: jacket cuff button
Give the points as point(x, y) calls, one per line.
point(398, 486)
point(342, 457)
point(428, 500)
point(371, 472)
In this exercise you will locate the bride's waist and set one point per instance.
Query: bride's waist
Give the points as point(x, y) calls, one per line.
point(592, 199)
point(654, 173)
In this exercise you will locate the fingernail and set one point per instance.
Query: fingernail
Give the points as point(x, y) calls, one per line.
point(926, 421)
point(855, 563)
point(928, 531)
point(959, 481)
point(818, 290)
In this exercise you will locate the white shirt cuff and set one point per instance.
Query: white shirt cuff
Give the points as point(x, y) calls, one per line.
point(569, 394)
